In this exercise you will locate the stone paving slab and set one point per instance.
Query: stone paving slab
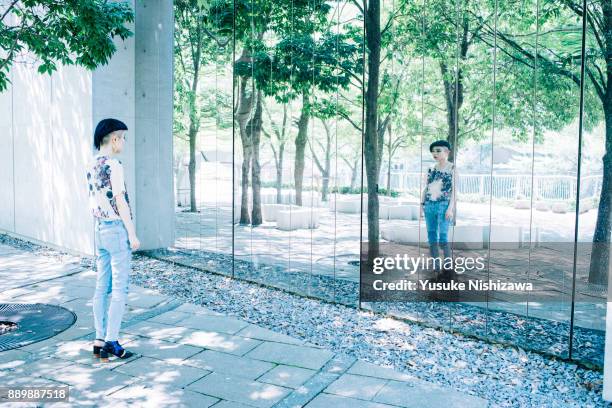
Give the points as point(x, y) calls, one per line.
point(170, 317)
point(287, 376)
point(231, 404)
point(239, 389)
point(288, 354)
point(356, 386)
point(196, 309)
point(162, 372)
point(156, 330)
point(219, 342)
point(160, 349)
point(229, 364)
point(221, 324)
point(159, 395)
point(372, 370)
point(335, 401)
point(255, 332)
point(410, 395)
point(187, 355)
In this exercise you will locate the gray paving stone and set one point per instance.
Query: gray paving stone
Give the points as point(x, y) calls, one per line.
point(289, 354)
point(221, 324)
point(44, 297)
point(12, 293)
point(92, 382)
point(144, 299)
point(172, 317)
point(239, 389)
point(81, 327)
point(40, 367)
point(255, 332)
point(219, 342)
point(308, 390)
point(10, 379)
point(356, 386)
point(426, 396)
point(158, 395)
point(162, 372)
point(373, 370)
point(14, 358)
point(335, 401)
point(161, 350)
point(229, 364)
point(231, 404)
point(157, 330)
point(287, 376)
point(339, 364)
point(196, 309)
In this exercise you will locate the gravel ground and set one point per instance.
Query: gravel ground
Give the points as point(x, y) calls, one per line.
point(507, 376)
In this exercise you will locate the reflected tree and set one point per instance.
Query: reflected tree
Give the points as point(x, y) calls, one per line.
point(195, 46)
point(557, 57)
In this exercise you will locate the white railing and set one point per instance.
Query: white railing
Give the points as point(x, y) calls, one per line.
point(506, 186)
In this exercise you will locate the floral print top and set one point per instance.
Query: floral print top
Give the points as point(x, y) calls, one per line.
point(105, 182)
point(439, 183)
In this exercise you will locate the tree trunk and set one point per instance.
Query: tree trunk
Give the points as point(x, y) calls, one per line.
point(354, 174)
point(453, 90)
point(600, 255)
point(244, 198)
point(192, 167)
point(193, 134)
point(371, 139)
point(300, 147)
point(451, 107)
point(325, 169)
point(242, 117)
point(254, 130)
point(279, 173)
point(326, 173)
point(390, 154)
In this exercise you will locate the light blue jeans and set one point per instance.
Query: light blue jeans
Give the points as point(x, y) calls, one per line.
point(114, 263)
point(437, 227)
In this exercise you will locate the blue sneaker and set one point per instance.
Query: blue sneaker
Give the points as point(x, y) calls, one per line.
point(114, 348)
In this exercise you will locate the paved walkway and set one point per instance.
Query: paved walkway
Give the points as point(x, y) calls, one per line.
point(188, 355)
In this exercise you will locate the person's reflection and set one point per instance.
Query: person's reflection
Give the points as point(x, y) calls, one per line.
point(438, 206)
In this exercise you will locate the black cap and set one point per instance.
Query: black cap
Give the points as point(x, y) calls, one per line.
point(439, 143)
point(106, 126)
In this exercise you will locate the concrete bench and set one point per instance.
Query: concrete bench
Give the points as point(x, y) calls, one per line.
point(461, 236)
point(542, 206)
point(560, 207)
point(503, 236)
point(522, 204)
point(383, 211)
point(466, 236)
point(403, 212)
point(406, 234)
point(585, 206)
point(297, 219)
point(270, 211)
point(348, 205)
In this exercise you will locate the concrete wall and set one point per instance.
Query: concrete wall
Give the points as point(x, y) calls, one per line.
point(46, 127)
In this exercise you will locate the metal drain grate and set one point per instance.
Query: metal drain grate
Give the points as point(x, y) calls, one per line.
point(35, 322)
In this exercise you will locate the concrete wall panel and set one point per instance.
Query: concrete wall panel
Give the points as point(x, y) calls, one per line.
point(33, 177)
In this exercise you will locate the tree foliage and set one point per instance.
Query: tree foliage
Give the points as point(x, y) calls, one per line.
point(70, 32)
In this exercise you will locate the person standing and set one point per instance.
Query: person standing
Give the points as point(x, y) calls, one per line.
point(115, 237)
point(438, 203)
